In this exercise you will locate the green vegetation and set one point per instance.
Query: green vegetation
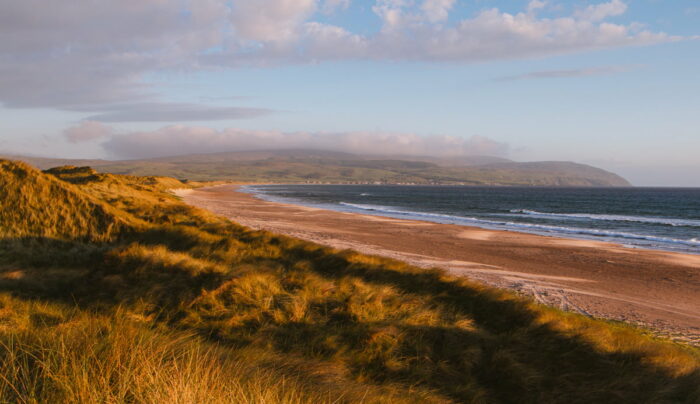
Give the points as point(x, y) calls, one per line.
point(155, 301)
point(302, 166)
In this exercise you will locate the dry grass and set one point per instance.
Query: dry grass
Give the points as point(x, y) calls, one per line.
point(41, 205)
point(56, 357)
point(290, 320)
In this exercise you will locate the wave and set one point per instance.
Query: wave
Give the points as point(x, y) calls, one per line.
point(613, 218)
point(391, 210)
point(523, 226)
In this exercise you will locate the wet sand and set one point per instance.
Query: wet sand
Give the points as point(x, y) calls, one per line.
point(654, 289)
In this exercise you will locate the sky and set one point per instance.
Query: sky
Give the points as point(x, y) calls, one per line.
point(612, 83)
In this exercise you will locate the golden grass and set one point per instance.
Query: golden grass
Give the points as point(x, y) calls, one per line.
point(295, 321)
point(51, 354)
point(58, 357)
point(41, 205)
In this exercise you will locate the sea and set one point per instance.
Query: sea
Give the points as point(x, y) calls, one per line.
point(650, 218)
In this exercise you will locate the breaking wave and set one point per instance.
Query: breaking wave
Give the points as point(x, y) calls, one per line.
point(521, 226)
point(613, 218)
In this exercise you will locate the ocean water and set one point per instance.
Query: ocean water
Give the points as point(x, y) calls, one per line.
point(656, 218)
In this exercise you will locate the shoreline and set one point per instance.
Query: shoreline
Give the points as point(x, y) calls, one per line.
point(619, 237)
point(655, 289)
point(565, 233)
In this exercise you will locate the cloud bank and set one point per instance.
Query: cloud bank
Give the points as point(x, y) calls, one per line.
point(179, 139)
point(87, 131)
point(169, 112)
point(73, 53)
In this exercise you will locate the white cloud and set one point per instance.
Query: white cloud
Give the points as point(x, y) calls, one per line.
point(271, 20)
point(535, 5)
point(413, 32)
point(87, 131)
point(180, 139)
point(390, 11)
point(75, 53)
point(599, 12)
point(493, 35)
point(437, 10)
point(169, 112)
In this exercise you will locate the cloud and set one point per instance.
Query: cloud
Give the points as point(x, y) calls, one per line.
point(408, 35)
point(271, 20)
point(171, 112)
point(180, 139)
point(87, 131)
point(62, 53)
point(76, 53)
point(599, 12)
point(437, 10)
point(493, 35)
point(554, 74)
point(535, 5)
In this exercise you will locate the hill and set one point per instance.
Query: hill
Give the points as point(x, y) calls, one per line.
point(558, 173)
point(318, 166)
point(179, 305)
point(35, 204)
point(44, 163)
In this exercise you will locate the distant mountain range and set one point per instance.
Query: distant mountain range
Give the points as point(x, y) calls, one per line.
point(319, 166)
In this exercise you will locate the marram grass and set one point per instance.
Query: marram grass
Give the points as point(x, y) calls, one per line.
point(155, 301)
point(61, 356)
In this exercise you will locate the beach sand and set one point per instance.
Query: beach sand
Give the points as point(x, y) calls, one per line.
point(654, 289)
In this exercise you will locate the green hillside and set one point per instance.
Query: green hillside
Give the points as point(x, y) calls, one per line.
point(329, 167)
point(314, 166)
point(154, 301)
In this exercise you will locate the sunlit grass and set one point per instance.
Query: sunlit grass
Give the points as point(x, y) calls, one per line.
point(54, 356)
point(182, 305)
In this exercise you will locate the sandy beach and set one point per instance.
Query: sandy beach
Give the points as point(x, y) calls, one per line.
point(654, 289)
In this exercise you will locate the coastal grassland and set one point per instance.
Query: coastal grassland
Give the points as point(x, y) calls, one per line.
point(51, 354)
point(42, 205)
point(182, 305)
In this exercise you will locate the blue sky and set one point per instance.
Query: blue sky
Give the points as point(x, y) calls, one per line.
point(612, 83)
